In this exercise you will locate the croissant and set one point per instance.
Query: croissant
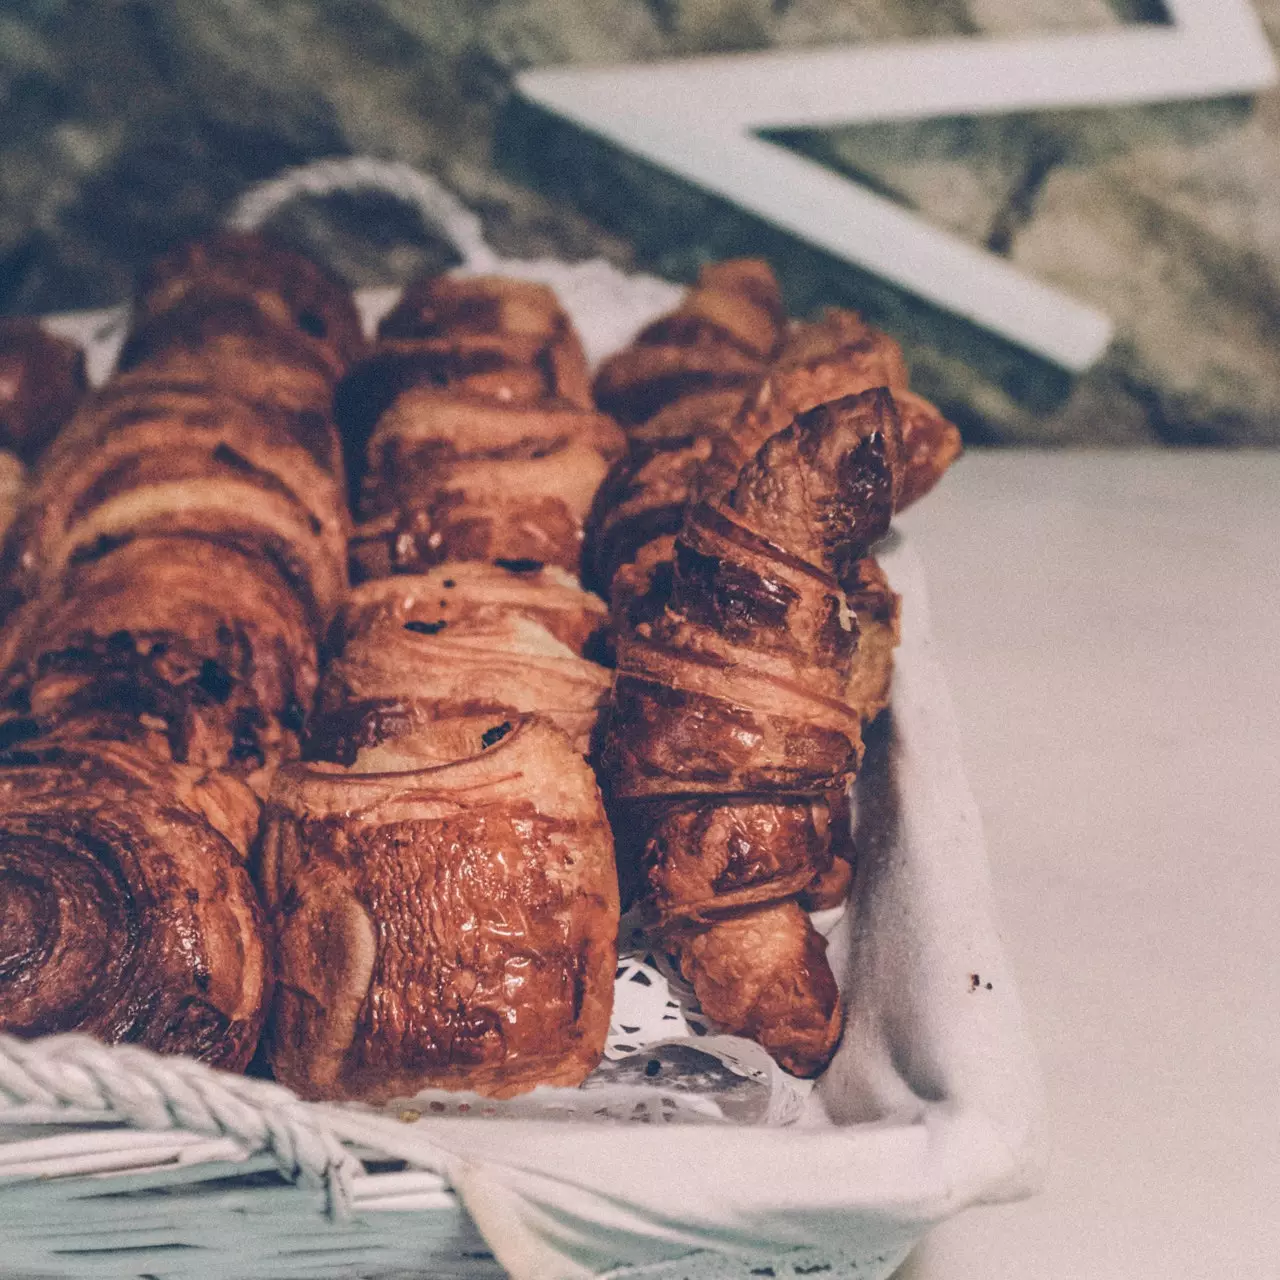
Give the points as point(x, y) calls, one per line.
point(458, 643)
point(154, 458)
point(176, 561)
point(42, 379)
point(729, 728)
point(727, 328)
point(441, 871)
point(198, 648)
point(127, 913)
point(476, 430)
point(284, 286)
point(447, 908)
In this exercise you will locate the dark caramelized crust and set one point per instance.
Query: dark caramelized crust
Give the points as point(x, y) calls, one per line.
point(704, 860)
point(476, 435)
point(285, 286)
point(116, 769)
point(697, 446)
point(522, 319)
point(719, 339)
point(225, 324)
point(448, 916)
point(459, 476)
point(829, 888)
point(645, 494)
point(42, 379)
point(825, 486)
point(204, 639)
point(695, 742)
point(739, 683)
point(764, 975)
point(123, 913)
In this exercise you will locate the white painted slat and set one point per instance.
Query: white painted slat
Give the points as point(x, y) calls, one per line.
point(696, 117)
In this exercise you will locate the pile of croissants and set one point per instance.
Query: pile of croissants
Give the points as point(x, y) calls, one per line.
point(315, 750)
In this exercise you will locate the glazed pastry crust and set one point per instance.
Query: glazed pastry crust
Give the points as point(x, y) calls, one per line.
point(150, 458)
point(287, 287)
point(128, 916)
point(765, 975)
point(448, 915)
point(194, 647)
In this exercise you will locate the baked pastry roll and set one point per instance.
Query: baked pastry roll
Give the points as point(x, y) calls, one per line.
point(453, 475)
point(491, 641)
point(42, 379)
point(725, 331)
point(475, 429)
point(729, 728)
point(154, 458)
point(124, 912)
point(520, 320)
point(447, 911)
point(284, 286)
point(196, 647)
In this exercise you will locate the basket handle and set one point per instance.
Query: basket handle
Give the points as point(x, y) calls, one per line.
point(439, 208)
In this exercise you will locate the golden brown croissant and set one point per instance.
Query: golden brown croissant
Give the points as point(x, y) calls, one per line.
point(284, 286)
point(154, 458)
point(198, 648)
point(484, 644)
point(126, 914)
point(474, 418)
point(42, 379)
point(727, 328)
point(448, 913)
point(729, 726)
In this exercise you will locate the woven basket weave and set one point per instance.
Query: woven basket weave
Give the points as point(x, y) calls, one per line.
point(117, 1163)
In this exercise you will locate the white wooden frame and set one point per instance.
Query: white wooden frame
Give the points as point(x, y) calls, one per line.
point(697, 118)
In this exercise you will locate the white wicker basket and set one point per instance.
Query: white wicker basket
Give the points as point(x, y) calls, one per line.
point(117, 1163)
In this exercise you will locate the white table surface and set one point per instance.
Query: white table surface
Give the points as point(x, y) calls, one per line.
point(1110, 626)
